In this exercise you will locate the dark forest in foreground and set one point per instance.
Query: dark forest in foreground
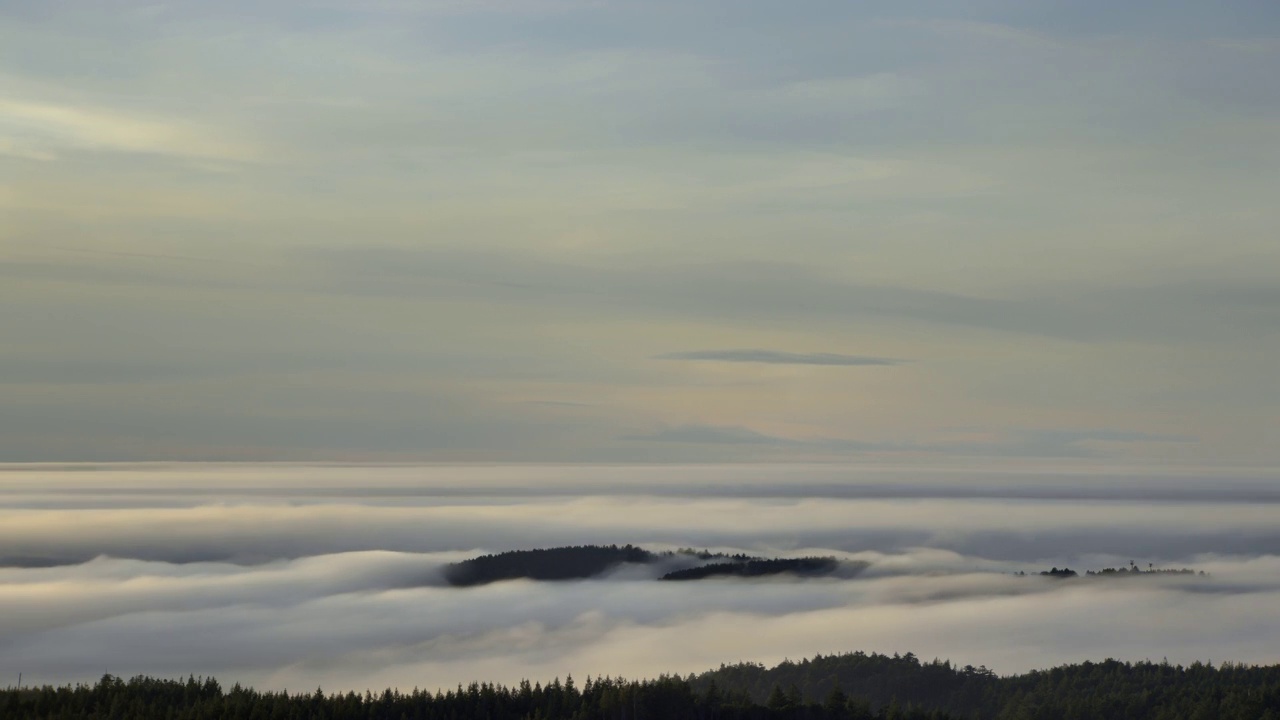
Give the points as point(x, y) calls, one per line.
point(855, 686)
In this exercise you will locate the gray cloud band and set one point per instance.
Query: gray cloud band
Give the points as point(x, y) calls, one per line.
point(292, 577)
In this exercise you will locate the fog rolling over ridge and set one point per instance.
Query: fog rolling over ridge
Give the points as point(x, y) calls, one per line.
point(289, 576)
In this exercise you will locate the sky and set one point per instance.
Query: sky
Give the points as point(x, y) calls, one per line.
point(624, 231)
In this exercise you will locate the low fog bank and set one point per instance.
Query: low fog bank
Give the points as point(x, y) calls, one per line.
point(370, 620)
point(257, 532)
point(321, 585)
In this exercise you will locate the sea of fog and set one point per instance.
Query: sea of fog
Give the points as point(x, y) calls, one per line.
point(293, 576)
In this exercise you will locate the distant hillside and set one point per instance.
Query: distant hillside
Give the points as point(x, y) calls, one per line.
point(1108, 690)
point(1129, 572)
point(1135, 571)
point(808, 566)
point(580, 562)
point(563, 563)
point(854, 686)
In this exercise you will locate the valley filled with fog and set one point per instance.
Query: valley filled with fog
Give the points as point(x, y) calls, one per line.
point(293, 576)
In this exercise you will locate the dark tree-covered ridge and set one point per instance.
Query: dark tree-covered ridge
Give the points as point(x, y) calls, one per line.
point(561, 563)
point(1135, 571)
point(807, 566)
point(1109, 690)
point(580, 562)
point(666, 698)
point(853, 686)
point(1129, 572)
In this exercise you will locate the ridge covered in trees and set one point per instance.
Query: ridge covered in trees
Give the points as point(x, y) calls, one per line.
point(561, 563)
point(1110, 690)
point(580, 562)
point(1125, 572)
point(807, 566)
point(854, 686)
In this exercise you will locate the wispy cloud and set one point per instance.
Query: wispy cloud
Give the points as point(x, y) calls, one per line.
point(1069, 437)
point(988, 32)
point(779, 291)
point(42, 130)
point(776, 357)
point(557, 403)
point(1059, 443)
point(703, 434)
point(713, 435)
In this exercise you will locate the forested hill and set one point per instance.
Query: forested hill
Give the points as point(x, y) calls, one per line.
point(580, 562)
point(1093, 691)
point(562, 563)
point(1112, 573)
point(838, 687)
point(757, 568)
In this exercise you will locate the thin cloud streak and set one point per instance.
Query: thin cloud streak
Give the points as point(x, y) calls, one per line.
point(49, 129)
point(711, 434)
point(776, 357)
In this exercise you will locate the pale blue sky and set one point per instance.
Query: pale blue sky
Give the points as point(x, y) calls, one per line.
point(600, 230)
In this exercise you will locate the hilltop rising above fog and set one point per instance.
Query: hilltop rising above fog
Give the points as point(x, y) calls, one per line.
point(586, 561)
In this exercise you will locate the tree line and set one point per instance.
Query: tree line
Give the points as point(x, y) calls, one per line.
point(1132, 571)
point(579, 562)
point(853, 686)
point(1109, 690)
point(561, 563)
point(666, 698)
point(757, 568)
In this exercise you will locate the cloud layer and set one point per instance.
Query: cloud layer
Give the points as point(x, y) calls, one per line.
point(294, 575)
point(776, 357)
